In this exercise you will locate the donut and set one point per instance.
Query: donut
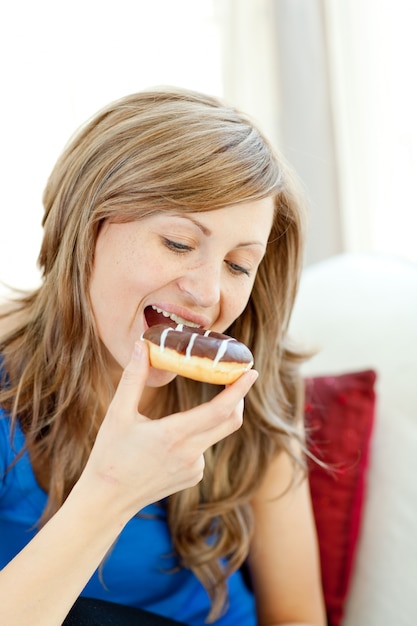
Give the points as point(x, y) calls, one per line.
point(196, 353)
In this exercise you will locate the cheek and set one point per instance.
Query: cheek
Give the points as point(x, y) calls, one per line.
point(234, 303)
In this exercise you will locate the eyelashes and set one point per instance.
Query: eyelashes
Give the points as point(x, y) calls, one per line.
point(175, 246)
point(180, 249)
point(238, 269)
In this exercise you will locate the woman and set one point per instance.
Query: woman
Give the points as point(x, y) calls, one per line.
point(125, 483)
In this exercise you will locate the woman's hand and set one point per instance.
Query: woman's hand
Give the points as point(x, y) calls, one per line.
point(139, 460)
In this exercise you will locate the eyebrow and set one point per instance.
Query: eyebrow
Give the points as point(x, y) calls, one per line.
point(207, 232)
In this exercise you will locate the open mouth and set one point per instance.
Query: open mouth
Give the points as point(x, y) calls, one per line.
point(154, 315)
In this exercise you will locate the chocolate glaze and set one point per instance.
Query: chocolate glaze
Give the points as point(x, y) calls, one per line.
point(199, 342)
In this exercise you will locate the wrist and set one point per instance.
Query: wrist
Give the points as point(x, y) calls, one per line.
point(102, 501)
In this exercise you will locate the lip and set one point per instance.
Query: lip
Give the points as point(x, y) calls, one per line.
point(201, 320)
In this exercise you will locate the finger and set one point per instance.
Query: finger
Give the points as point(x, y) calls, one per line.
point(220, 416)
point(132, 381)
point(231, 397)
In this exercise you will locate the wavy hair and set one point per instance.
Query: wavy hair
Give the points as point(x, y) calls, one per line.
point(159, 150)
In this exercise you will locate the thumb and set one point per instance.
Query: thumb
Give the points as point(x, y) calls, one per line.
point(133, 379)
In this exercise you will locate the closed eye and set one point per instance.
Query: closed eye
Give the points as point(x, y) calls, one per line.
point(238, 269)
point(175, 246)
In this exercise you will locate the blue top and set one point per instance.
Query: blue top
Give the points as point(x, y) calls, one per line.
point(140, 569)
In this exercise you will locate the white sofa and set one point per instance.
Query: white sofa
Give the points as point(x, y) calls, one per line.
point(360, 312)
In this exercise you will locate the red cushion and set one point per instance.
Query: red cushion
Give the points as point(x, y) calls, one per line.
point(339, 418)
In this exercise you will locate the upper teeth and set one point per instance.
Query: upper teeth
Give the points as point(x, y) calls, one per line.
point(175, 318)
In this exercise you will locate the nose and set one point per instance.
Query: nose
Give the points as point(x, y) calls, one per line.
point(202, 285)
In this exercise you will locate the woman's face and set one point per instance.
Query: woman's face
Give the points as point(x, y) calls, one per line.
point(191, 268)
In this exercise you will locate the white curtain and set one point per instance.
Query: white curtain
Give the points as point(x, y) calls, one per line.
point(372, 61)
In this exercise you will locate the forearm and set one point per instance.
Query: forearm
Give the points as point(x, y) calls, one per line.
point(42, 582)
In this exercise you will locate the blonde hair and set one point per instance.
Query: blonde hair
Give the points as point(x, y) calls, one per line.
point(159, 150)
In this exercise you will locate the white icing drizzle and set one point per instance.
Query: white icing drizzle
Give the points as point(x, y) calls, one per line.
point(221, 351)
point(207, 333)
point(190, 345)
point(179, 327)
point(163, 338)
